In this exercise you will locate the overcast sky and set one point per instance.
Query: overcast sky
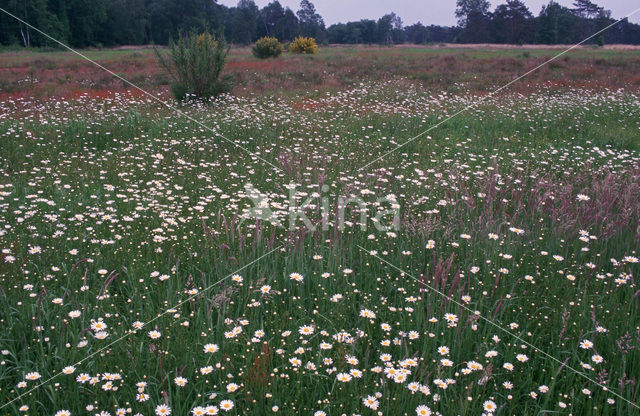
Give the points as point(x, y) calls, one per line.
point(438, 12)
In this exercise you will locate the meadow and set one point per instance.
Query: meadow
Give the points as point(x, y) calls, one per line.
point(134, 279)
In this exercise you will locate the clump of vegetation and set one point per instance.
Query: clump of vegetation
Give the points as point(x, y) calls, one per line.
point(195, 63)
point(267, 47)
point(303, 44)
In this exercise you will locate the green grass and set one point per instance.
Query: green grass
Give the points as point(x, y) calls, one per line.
point(178, 215)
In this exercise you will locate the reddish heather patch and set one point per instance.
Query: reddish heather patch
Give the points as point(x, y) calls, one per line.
point(15, 69)
point(94, 94)
point(310, 105)
point(263, 65)
point(12, 96)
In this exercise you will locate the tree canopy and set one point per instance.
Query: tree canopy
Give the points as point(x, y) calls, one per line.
point(84, 23)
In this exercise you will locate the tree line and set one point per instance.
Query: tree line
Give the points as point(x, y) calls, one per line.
point(85, 23)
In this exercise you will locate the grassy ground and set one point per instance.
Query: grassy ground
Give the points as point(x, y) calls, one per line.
point(63, 74)
point(510, 282)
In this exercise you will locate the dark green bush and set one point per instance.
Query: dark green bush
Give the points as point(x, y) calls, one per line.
point(195, 63)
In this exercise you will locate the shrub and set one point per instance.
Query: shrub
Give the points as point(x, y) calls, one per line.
point(195, 63)
point(302, 44)
point(267, 47)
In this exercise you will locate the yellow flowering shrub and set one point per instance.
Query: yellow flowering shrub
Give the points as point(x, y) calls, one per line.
point(302, 44)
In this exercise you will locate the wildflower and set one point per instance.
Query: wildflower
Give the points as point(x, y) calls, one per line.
point(163, 410)
point(83, 378)
point(206, 370)
point(306, 330)
point(371, 402)
point(586, 344)
point(101, 335)
point(296, 276)
point(34, 375)
point(265, 289)
point(344, 377)
point(98, 326)
point(211, 348)
point(489, 406)
point(295, 361)
point(413, 387)
point(366, 313)
point(211, 410)
point(355, 373)
point(68, 370)
point(351, 360)
point(423, 410)
point(475, 366)
point(452, 319)
point(226, 405)
point(409, 362)
point(586, 366)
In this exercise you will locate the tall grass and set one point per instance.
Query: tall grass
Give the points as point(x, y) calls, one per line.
point(134, 210)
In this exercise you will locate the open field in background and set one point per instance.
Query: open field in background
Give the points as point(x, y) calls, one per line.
point(63, 74)
point(116, 212)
